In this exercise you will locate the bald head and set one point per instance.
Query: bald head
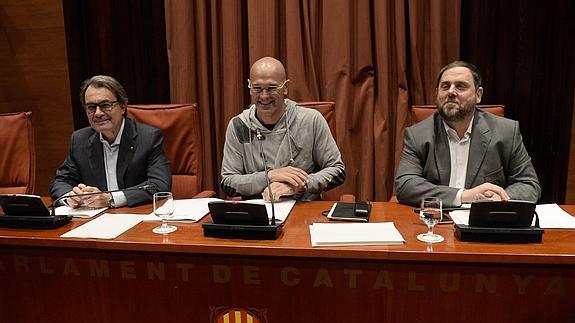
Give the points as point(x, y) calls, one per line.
point(268, 89)
point(269, 67)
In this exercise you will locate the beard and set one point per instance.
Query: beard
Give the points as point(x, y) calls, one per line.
point(456, 112)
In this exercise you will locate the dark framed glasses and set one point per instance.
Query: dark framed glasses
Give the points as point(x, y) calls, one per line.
point(105, 106)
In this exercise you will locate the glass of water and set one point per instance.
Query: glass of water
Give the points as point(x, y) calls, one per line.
point(164, 209)
point(430, 213)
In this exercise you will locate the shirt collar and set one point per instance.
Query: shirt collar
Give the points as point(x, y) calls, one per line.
point(118, 137)
point(453, 134)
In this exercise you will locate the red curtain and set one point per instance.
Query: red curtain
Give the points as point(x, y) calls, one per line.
point(373, 58)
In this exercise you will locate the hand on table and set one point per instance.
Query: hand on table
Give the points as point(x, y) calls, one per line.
point(485, 191)
point(97, 200)
point(291, 175)
point(279, 190)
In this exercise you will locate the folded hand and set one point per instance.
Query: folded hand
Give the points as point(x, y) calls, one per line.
point(485, 191)
point(278, 190)
point(291, 175)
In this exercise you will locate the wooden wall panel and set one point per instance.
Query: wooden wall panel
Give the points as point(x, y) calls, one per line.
point(34, 77)
point(570, 191)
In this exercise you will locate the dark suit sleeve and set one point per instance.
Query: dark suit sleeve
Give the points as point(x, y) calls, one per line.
point(522, 182)
point(67, 175)
point(410, 181)
point(146, 165)
point(158, 172)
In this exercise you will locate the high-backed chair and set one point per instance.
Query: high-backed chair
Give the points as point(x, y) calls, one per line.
point(420, 112)
point(18, 154)
point(327, 109)
point(180, 125)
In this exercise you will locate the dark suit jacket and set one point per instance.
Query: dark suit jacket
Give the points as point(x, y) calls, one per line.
point(141, 161)
point(496, 155)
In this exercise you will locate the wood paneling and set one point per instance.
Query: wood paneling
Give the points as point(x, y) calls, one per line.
point(570, 192)
point(142, 276)
point(34, 77)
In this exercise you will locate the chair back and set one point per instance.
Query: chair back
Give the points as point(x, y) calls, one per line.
point(180, 125)
point(18, 154)
point(327, 110)
point(421, 112)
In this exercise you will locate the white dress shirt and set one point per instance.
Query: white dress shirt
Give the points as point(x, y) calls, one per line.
point(459, 152)
point(111, 152)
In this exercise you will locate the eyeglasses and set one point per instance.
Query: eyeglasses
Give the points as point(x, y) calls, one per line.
point(105, 106)
point(270, 88)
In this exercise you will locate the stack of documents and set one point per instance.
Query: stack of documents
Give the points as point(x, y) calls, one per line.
point(354, 234)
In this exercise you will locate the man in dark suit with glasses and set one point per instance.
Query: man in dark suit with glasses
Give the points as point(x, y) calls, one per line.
point(115, 152)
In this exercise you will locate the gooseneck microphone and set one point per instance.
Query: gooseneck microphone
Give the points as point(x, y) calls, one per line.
point(261, 138)
point(146, 187)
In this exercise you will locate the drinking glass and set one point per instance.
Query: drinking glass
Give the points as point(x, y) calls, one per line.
point(164, 209)
point(430, 213)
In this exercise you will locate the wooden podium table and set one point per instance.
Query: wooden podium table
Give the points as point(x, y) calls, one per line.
point(186, 277)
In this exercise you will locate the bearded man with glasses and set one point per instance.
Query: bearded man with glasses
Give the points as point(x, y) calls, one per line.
point(115, 152)
point(277, 140)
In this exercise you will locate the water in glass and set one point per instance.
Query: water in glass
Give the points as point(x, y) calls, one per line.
point(430, 213)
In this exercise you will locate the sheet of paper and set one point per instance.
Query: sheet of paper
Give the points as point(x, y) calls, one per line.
point(282, 207)
point(187, 210)
point(351, 234)
point(79, 212)
point(460, 216)
point(106, 226)
point(551, 216)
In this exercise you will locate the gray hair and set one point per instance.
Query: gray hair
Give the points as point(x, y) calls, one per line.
point(99, 81)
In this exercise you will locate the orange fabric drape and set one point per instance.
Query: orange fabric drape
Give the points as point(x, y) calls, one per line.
point(373, 58)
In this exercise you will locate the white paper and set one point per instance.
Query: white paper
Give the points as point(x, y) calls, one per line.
point(106, 226)
point(79, 212)
point(187, 210)
point(460, 216)
point(551, 216)
point(351, 234)
point(282, 207)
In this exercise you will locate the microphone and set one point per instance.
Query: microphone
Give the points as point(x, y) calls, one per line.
point(261, 138)
point(146, 187)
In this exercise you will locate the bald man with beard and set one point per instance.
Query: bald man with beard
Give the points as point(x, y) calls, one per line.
point(300, 156)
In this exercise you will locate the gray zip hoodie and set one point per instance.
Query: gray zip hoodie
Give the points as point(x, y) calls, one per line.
point(301, 139)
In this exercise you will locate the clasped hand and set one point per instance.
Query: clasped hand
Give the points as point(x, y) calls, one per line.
point(485, 191)
point(96, 200)
point(285, 181)
point(291, 175)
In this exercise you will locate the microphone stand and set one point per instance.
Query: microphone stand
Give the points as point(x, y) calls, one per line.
point(146, 187)
point(260, 138)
